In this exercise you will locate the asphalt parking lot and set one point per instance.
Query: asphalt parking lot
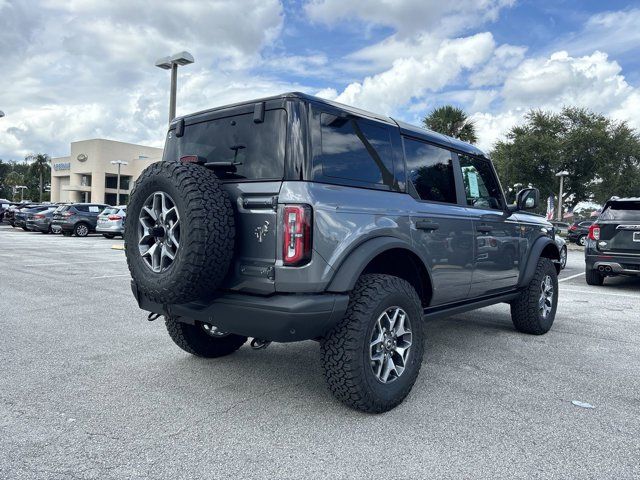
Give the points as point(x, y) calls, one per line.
point(90, 389)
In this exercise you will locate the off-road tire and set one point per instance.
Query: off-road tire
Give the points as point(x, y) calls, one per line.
point(525, 312)
point(593, 277)
point(345, 349)
point(207, 232)
point(79, 231)
point(194, 340)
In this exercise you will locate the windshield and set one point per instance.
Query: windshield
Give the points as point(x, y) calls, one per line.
point(257, 149)
point(622, 211)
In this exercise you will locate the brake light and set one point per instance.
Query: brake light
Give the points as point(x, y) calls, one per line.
point(114, 217)
point(68, 214)
point(297, 235)
point(573, 227)
point(594, 232)
point(39, 215)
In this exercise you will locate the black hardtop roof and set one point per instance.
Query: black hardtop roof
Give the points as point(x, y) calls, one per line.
point(621, 200)
point(405, 128)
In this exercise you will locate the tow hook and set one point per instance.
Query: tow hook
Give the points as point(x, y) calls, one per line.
point(259, 344)
point(153, 316)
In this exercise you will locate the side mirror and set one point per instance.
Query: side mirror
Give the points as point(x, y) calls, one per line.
point(528, 199)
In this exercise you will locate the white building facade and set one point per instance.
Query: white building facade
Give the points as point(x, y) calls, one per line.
point(87, 174)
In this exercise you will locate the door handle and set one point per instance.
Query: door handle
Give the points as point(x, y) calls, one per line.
point(484, 228)
point(426, 225)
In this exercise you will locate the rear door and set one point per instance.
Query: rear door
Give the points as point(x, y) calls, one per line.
point(441, 228)
point(254, 145)
point(620, 228)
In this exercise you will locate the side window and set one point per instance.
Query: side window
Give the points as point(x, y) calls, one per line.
point(82, 208)
point(480, 184)
point(355, 150)
point(430, 171)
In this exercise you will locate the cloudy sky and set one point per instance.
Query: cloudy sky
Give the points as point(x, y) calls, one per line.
point(78, 69)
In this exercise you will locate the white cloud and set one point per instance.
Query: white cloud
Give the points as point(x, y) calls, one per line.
point(409, 16)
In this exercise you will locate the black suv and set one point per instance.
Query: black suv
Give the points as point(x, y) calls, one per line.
point(579, 231)
point(78, 218)
point(613, 245)
point(292, 218)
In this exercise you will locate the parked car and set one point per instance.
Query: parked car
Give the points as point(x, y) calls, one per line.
point(562, 247)
point(79, 219)
point(41, 221)
point(4, 206)
point(21, 215)
point(562, 228)
point(10, 213)
point(613, 245)
point(111, 221)
point(294, 218)
point(578, 231)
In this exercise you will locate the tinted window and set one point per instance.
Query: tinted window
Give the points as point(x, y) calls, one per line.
point(622, 211)
point(81, 208)
point(480, 184)
point(257, 148)
point(355, 150)
point(430, 171)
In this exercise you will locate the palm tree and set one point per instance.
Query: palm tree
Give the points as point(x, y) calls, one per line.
point(451, 121)
point(40, 167)
point(12, 180)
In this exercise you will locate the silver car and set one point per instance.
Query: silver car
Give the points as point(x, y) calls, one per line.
point(111, 221)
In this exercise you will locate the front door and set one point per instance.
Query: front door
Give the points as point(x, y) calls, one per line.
point(496, 231)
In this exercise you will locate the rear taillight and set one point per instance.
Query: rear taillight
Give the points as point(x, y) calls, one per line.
point(573, 227)
point(594, 232)
point(114, 217)
point(68, 214)
point(39, 215)
point(297, 235)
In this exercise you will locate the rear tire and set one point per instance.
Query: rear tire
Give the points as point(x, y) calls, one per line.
point(196, 340)
point(348, 353)
point(582, 240)
point(81, 230)
point(593, 277)
point(533, 311)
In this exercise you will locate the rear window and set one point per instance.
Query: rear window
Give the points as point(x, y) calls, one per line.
point(622, 211)
point(258, 148)
point(109, 211)
point(355, 150)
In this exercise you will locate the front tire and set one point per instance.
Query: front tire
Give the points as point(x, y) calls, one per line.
point(201, 340)
point(563, 258)
point(371, 359)
point(593, 277)
point(534, 310)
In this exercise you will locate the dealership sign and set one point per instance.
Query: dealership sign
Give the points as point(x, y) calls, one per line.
point(62, 166)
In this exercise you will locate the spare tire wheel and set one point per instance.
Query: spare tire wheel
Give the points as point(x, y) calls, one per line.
point(179, 243)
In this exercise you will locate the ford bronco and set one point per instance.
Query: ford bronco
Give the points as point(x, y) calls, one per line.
point(293, 218)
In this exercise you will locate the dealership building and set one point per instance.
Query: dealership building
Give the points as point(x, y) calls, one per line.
point(87, 174)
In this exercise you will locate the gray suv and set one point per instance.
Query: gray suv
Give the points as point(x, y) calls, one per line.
point(293, 218)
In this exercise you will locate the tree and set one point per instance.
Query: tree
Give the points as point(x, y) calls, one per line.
point(451, 121)
point(39, 168)
point(601, 155)
point(12, 180)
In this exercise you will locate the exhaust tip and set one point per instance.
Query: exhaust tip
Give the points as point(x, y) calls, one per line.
point(601, 268)
point(607, 268)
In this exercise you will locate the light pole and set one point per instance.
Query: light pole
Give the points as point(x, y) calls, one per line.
point(171, 63)
point(22, 188)
point(561, 174)
point(119, 163)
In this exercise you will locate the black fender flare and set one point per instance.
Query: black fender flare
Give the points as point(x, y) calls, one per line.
point(356, 261)
point(526, 273)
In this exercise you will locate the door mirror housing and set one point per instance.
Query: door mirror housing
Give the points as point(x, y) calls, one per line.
point(527, 199)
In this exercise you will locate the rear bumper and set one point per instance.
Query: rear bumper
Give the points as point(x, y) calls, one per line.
point(614, 264)
point(279, 317)
point(37, 226)
point(115, 229)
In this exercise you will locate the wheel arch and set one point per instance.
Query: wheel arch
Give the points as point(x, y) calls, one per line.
point(386, 255)
point(543, 247)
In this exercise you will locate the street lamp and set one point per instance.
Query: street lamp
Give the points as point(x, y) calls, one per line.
point(22, 188)
point(561, 174)
point(171, 63)
point(119, 163)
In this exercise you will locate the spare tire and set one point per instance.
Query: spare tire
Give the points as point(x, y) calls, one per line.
point(180, 234)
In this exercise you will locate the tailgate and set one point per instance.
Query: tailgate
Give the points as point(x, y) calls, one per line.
point(256, 251)
point(619, 237)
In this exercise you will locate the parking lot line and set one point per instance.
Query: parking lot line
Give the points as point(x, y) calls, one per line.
point(569, 278)
point(111, 276)
point(591, 292)
point(73, 263)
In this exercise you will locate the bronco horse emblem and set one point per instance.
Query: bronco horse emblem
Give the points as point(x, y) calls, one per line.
point(262, 231)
